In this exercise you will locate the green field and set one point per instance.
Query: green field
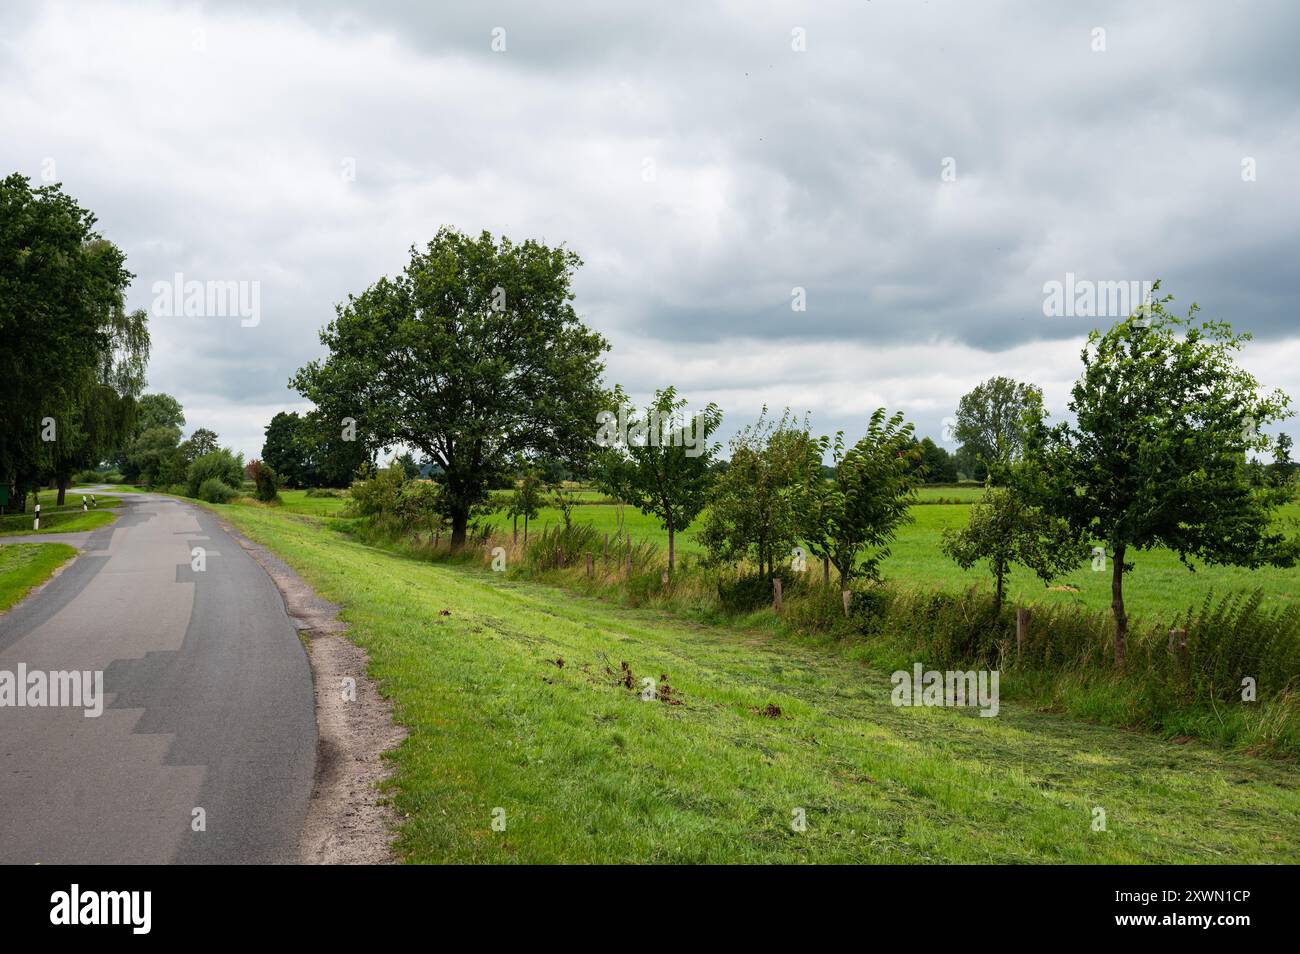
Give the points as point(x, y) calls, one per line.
point(586, 771)
point(1159, 588)
point(24, 565)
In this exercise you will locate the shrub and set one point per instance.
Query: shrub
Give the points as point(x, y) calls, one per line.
point(562, 546)
point(217, 491)
point(222, 465)
point(375, 492)
point(323, 492)
point(265, 480)
point(745, 593)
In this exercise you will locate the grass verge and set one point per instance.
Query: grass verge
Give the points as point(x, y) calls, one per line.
point(516, 699)
point(26, 565)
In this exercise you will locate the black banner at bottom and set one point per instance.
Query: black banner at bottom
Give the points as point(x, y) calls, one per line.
point(1219, 903)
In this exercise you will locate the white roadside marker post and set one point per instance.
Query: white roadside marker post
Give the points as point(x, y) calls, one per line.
point(36, 525)
point(83, 502)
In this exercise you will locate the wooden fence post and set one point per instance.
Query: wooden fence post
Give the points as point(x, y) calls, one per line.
point(847, 597)
point(1178, 649)
point(604, 553)
point(590, 569)
point(1022, 627)
point(776, 594)
point(663, 578)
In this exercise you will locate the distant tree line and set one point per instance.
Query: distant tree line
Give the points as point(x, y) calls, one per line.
point(475, 357)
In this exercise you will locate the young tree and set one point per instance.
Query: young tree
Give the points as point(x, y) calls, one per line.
point(1282, 471)
point(474, 355)
point(752, 505)
point(1005, 530)
point(866, 501)
point(564, 500)
point(1157, 456)
point(991, 420)
point(526, 501)
point(663, 468)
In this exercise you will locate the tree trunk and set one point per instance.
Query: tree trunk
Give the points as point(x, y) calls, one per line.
point(525, 531)
point(1117, 605)
point(516, 539)
point(459, 521)
point(1001, 572)
point(671, 545)
point(63, 487)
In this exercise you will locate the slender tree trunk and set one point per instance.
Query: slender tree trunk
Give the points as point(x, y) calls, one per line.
point(516, 539)
point(63, 487)
point(1117, 605)
point(1001, 572)
point(525, 530)
point(672, 532)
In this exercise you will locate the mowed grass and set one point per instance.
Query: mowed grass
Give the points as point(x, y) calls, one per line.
point(585, 771)
point(1159, 588)
point(25, 565)
point(66, 519)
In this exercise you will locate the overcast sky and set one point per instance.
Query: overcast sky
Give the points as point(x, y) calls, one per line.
point(920, 170)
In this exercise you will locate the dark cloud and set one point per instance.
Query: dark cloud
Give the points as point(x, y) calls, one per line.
point(213, 141)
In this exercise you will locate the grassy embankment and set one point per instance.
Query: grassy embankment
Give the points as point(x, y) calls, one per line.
point(26, 565)
point(587, 771)
point(66, 519)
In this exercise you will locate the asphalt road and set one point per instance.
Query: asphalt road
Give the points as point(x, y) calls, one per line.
point(208, 704)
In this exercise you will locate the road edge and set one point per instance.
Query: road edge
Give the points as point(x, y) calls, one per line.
point(346, 821)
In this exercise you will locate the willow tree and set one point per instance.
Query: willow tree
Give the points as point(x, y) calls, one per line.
point(71, 358)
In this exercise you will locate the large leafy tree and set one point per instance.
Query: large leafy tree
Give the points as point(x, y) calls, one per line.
point(474, 355)
point(862, 506)
point(64, 336)
point(1157, 455)
point(991, 420)
point(203, 441)
point(154, 437)
point(935, 464)
point(280, 451)
point(663, 467)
